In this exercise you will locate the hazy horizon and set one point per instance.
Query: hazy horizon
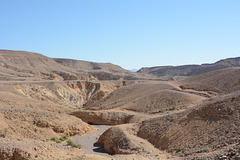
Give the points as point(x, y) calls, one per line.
point(131, 34)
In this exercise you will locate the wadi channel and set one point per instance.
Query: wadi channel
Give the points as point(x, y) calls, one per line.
point(54, 108)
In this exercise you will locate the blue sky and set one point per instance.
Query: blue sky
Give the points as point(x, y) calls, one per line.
point(129, 33)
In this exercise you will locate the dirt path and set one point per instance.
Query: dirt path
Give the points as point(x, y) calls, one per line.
point(88, 141)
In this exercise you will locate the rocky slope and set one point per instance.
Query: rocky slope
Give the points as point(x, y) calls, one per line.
point(208, 127)
point(148, 97)
point(221, 81)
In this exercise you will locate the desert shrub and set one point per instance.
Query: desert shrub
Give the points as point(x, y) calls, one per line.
point(173, 107)
point(63, 138)
point(54, 139)
point(70, 142)
point(58, 141)
point(77, 146)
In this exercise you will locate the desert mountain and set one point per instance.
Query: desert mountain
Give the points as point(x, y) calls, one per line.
point(20, 65)
point(191, 70)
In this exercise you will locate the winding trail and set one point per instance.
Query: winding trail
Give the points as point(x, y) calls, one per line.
point(88, 141)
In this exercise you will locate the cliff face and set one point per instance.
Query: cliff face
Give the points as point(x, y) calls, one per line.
point(71, 94)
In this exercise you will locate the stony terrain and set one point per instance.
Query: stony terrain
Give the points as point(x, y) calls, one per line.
point(44, 98)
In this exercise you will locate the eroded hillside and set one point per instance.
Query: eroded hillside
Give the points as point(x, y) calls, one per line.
point(43, 98)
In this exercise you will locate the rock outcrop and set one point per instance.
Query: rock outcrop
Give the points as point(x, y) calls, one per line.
point(107, 117)
point(121, 139)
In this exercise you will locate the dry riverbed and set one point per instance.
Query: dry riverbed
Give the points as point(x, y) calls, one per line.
point(88, 141)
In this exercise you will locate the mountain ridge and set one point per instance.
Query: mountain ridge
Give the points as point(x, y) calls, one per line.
point(28, 65)
point(191, 69)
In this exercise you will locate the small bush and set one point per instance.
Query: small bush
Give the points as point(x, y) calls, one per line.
point(54, 139)
point(70, 142)
point(173, 107)
point(63, 138)
point(58, 141)
point(77, 146)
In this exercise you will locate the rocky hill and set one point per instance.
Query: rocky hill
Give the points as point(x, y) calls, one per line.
point(221, 81)
point(191, 70)
point(22, 66)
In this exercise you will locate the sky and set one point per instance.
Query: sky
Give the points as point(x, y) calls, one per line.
point(129, 33)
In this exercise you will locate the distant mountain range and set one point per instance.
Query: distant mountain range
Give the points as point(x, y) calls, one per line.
point(21, 65)
point(190, 70)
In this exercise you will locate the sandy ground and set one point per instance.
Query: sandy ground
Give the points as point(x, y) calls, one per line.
point(88, 142)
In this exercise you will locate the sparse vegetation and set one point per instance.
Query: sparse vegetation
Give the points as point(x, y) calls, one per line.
point(77, 146)
point(205, 149)
point(63, 138)
point(174, 107)
point(70, 143)
point(54, 139)
point(58, 141)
